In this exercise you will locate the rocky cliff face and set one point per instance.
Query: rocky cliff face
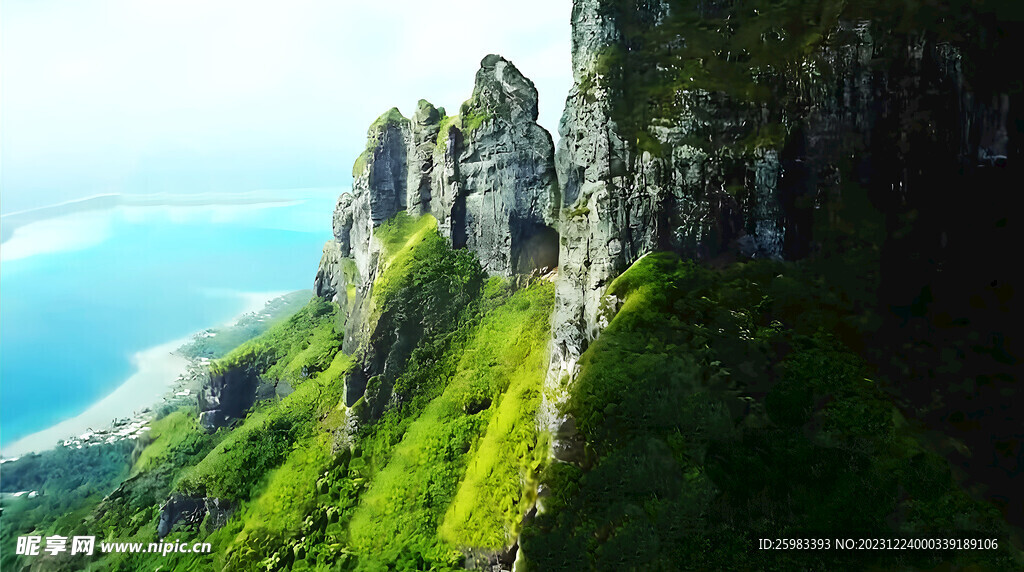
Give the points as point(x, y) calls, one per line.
point(226, 396)
point(182, 511)
point(378, 191)
point(487, 175)
point(229, 393)
point(496, 190)
point(721, 130)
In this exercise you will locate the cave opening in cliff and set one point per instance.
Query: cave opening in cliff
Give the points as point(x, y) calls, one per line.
point(538, 250)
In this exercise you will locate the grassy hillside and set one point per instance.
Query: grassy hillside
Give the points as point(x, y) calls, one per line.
point(722, 407)
point(719, 407)
point(449, 466)
point(395, 493)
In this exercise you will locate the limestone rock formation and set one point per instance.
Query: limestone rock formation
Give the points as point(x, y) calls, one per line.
point(487, 175)
point(330, 281)
point(228, 393)
point(379, 188)
point(226, 396)
point(496, 188)
point(336, 274)
point(426, 123)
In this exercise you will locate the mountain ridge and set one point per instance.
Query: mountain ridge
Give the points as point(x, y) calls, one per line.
point(743, 299)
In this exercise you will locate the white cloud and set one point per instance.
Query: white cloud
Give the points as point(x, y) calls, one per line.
point(157, 95)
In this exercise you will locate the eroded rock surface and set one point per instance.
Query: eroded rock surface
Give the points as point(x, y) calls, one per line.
point(487, 175)
point(496, 188)
point(181, 511)
point(227, 395)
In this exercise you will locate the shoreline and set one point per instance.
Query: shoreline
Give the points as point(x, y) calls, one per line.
point(159, 376)
point(254, 303)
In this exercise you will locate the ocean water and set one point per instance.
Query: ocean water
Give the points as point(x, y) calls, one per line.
point(81, 293)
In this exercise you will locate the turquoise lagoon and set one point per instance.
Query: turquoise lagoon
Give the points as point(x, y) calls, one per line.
point(81, 293)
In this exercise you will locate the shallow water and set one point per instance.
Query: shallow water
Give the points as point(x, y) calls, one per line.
point(102, 285)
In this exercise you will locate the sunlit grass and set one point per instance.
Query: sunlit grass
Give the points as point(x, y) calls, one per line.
point(480, 431)
point(177, 431)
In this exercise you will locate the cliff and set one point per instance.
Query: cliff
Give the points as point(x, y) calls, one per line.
point(846, 139)
point(737, 130)
point(838, 137)
point(782, 309)
point(485, 175)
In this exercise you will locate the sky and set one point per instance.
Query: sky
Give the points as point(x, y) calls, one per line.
point(186, 96)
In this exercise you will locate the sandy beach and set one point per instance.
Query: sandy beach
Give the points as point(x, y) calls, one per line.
point(255, 302)
point(156, 371)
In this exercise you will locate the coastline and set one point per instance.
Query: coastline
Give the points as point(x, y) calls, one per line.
point(156, 370)
point(160, 371)
point(254, 302)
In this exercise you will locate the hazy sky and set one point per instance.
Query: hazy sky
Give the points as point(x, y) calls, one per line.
point(145, 96)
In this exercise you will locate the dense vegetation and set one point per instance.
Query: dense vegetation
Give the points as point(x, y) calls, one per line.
point(760, 52)
point(411, 488)
point(721, 407)
point(69, 483)
point(255, 467)
point(448, 465)
point(717, 408)
point(303, 346)
point(215, 343)
point(435, 446)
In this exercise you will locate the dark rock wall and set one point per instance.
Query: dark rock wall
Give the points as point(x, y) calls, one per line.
point(671, 140)
point(724, 130)
point(182, 511)
point(426, 123)
point(227, 395)
point(495, 181)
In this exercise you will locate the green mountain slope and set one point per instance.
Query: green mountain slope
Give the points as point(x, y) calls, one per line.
point(451, 464)
point(720, 408)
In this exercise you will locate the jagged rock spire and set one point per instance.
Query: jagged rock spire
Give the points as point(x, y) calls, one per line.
point(486, 174)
